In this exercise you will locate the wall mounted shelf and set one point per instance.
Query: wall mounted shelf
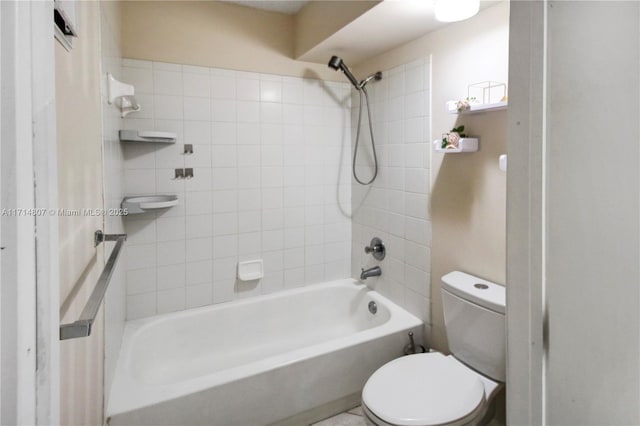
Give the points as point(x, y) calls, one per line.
point(476, 108)
point(464, 145)
point(147, 136)
point(148, 203)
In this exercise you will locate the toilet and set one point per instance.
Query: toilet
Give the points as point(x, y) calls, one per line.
point(457, 389)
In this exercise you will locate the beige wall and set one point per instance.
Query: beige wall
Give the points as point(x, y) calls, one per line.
point(319, 20)
point(215, 34)
point(80, 186)
point(468, 201)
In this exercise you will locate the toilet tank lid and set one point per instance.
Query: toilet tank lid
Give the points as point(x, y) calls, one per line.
point(476, 290)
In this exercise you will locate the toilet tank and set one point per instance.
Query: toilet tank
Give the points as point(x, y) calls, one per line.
point(474, 319)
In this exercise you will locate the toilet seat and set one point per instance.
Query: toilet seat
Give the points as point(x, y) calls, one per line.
point(425, 389)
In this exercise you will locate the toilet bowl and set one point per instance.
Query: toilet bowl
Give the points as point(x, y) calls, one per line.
point(458, 389)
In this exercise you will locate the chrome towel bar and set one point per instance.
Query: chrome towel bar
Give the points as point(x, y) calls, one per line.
point(82, 327)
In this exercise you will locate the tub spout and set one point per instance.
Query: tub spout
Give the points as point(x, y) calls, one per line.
point(371, 272)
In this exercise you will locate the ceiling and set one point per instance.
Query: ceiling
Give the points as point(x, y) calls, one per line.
point(389, 24)
point(385, 26)
point(290, 7)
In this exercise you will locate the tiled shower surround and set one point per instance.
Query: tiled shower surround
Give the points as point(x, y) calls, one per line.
point(271, 159)
point(396, 206)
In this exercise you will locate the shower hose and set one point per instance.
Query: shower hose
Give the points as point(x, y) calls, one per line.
point(373, 144)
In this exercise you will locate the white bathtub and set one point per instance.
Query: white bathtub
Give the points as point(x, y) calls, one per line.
point(288, 358)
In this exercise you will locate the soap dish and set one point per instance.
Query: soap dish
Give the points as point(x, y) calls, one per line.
point(250, 270)
point(147, 203)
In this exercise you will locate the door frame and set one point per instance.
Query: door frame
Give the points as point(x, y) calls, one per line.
point(526, 213)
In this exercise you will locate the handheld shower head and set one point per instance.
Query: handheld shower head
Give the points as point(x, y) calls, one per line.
point(337, 63)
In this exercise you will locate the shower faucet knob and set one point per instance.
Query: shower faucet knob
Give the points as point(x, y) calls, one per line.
point(376, 248)
point(372, 249)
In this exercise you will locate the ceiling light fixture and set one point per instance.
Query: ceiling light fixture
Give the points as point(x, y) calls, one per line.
point(455, 10)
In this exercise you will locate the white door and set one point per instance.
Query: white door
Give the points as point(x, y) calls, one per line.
point(28, 301)
point(573, 294)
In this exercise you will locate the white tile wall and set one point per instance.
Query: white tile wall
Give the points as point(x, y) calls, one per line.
point(271, 162)
point(395, 207)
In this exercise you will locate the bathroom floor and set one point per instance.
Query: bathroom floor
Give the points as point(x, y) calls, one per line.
point(351, 417)
point(354, 417)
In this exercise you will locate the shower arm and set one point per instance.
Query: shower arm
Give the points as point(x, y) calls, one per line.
point(376, 76)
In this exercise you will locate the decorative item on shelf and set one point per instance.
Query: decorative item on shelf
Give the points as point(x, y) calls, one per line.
point(487, 92)
point(483, 96)
point(121, 95)
point(456, 141)
point(461, 105)
point(452, 139)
